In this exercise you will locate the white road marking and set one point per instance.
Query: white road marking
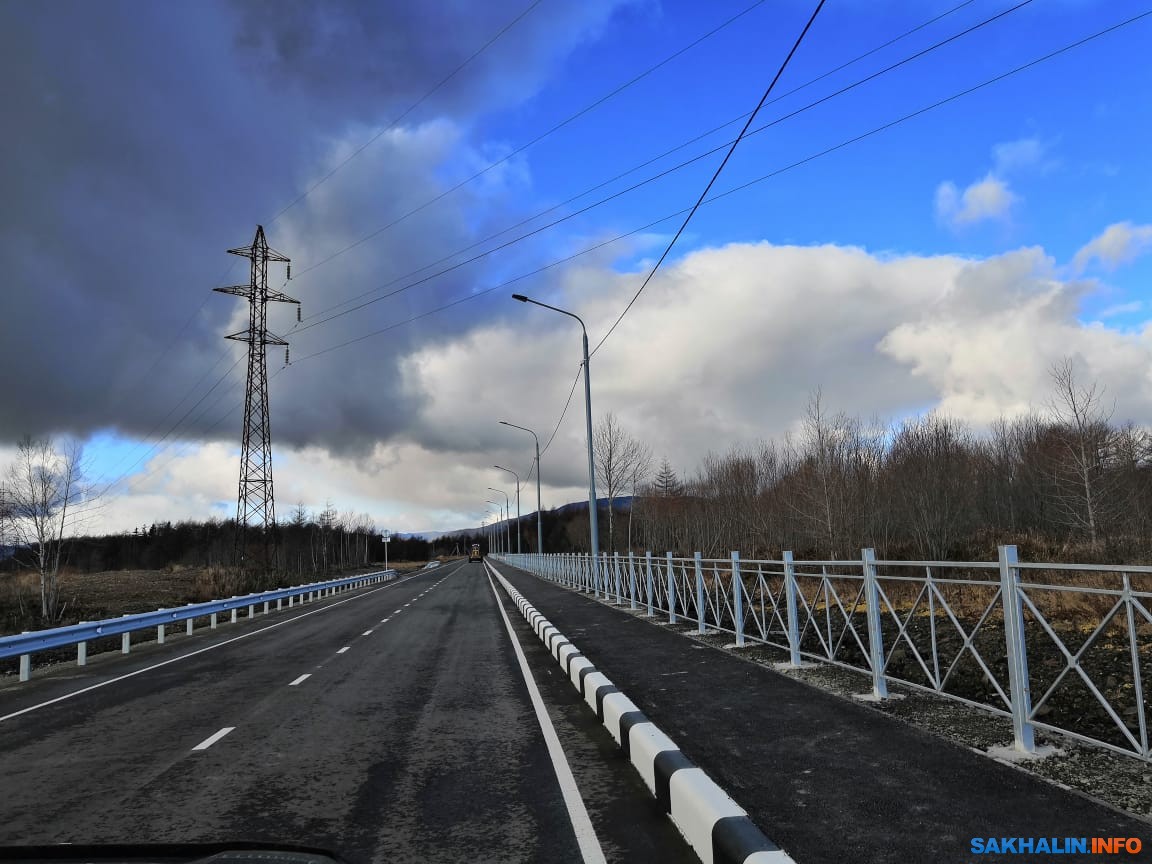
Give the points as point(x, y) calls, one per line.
point(345, 648)
point(212, 739)
point(211, 647)
point(578, 814)
point(385, 620)
point(366, 633)
point(301, 679)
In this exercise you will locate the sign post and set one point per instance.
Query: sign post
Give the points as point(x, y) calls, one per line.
point(387, 538)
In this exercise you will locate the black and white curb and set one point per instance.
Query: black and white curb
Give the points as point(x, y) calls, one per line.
point(715, 826)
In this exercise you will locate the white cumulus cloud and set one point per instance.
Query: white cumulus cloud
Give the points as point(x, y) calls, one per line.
point(989, 198)
point(1118, 244)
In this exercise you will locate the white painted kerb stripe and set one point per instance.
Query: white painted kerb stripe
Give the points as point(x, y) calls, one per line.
point(301, 679)
point(212, 739)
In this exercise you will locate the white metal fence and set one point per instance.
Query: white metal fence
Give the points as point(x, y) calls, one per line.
point(1061, 647)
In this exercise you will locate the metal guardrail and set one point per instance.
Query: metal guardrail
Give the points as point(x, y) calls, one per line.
point(1066, 648)
point(23, 645)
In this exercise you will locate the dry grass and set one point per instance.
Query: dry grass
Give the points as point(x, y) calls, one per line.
point(109, 594)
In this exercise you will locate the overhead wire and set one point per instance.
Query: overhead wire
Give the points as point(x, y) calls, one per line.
point(392, 125)
point(627, 190)
point(169, 344)
point(715, 175)
point(806, 160)
point(534, 141)
point(307, 326)
point(666, 153)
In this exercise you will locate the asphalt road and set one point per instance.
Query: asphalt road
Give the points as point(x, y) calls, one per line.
point(390, 724)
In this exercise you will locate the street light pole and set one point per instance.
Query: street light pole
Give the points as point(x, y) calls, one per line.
point(517, 476)
point(539, 525)
point(507, 519)
point(496, 525)
point(593, 526)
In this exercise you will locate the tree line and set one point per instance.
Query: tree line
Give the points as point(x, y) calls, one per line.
point(1064, 483)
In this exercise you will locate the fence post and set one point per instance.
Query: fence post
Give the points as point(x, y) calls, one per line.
point(1018, 684)
point(671, 591)
point(632, 579)
point(616, 575)
point(700, 628)
point(648, 579)
point(875, 633)
point(233, 616)
point(25, 664)
point(793, 618)
point(738, 598)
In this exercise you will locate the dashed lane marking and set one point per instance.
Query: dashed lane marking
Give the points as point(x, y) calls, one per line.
point(212, 739)
point(301, 679)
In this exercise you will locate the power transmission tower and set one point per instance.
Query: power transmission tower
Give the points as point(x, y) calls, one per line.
point(256, 507)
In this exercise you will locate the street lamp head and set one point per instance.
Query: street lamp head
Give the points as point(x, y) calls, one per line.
point(520, 297)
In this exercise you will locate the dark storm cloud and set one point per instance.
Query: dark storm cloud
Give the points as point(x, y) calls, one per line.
point(144, 139)
point(362, 52)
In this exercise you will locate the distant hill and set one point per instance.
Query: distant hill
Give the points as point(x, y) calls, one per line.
point(622, 504)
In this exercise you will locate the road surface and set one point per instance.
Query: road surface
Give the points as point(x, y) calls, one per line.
point(390, 724)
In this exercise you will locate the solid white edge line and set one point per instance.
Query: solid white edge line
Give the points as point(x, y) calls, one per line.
point(585, 832)
point(211, 647)
point(301, 679)
point(212, 739)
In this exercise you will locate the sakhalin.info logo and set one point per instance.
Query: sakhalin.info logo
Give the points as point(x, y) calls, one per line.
point(1056, 845)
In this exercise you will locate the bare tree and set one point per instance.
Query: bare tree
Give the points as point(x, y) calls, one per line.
point(40, 487)
point(617, 456)
point(641, 468)
point(1083, 482)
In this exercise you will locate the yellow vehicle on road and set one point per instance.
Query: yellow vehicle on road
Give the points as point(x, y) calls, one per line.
point(474, 552)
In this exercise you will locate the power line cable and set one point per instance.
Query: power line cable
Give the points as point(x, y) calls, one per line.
point(599, 203)
point(621, 192)
point(715, 176)
point(180, 332)
point(408, 110)
point(755, 181)
point(827, 151)
point(656, 158)
point(585, 110)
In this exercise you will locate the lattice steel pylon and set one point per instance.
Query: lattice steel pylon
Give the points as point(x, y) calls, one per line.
point(256, 505)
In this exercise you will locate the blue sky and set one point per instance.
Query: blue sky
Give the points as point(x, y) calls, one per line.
point(1086, 111)
point(134, 174)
